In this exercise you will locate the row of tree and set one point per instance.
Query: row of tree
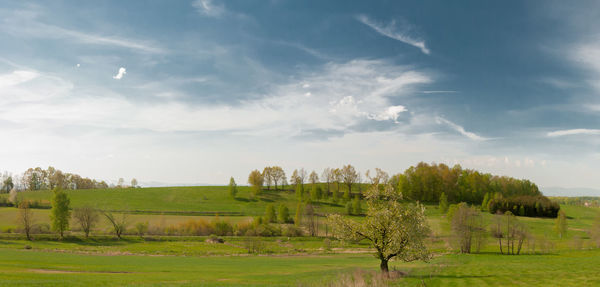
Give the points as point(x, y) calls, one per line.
point(426, 182)
point(332, 178)
point(471, 231)
point(86, 217)
point(50, 178)
point(533, 206)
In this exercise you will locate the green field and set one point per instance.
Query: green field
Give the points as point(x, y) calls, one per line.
point(102, 260)
point(207, 199)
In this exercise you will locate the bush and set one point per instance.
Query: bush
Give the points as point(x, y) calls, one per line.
point(348, 208)
point(292, 231)
point(283, 216)
point(222, 228)
point(214, 239)
point(532, 206)
point(141, 228)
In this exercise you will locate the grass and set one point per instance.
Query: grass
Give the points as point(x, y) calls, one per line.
point(303, 261)
point(26, 267)
point(205, 199)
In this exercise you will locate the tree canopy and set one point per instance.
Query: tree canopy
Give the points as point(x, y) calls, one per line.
point(394, 229)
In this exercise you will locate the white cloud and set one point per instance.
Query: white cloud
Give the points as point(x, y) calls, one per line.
point(439, 92)
point(25, 23)
point(391, 113)
point(459, 129)
point(341, 96)
point(209, 8)
point(16, 77)
point(561, 133)
point(120, 74)
point(390, 31)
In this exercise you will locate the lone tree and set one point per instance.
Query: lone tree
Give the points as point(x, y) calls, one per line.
point(283, 216)
point(278, 175)
point(119, 224)
point(349, 176)
point(232, 188)
point(443, 203)
point(394, 229)
point(60, 213)
point(468, 227)
point(256, 180)
point(26, 218)
point(270, 215)
point(560, 224)
point(268, 177)
point(87, 217)
point(327, 177)
point(8, 184)
point(134, 182)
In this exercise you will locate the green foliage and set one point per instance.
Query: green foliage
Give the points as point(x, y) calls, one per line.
point(539, 206)
point(443, 203)
point(452, 210)
point(335, 197)
point(60, 213)
point(485, 202)
point(141, 228)
point(356, 206)
point(298, 216)
point(348, 207)
point(283, 216)
point(315, 192)
point(299, 191)
point(233, 190)
point(256, 180)
point(560, 224)
point(393, 229)
point(347, 195)
point(522, 210)
point(270, 213)
point(425, 183)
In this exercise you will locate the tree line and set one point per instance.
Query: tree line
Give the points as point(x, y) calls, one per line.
point(47, 179)
point(423, 182)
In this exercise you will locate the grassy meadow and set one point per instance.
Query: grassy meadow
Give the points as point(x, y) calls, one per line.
point(103, 260)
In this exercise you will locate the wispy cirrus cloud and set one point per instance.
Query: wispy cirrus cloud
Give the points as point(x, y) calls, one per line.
point(209, 8)
point(26, 24)
point(570, 132)
point(391, 31)
point(461, 130)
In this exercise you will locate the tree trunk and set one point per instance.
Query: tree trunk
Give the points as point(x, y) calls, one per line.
point(384, 266)
point(500, 242)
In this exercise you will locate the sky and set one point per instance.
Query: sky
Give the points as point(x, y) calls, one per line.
point(188, 92)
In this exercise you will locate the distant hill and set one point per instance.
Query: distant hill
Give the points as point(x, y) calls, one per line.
point(563, 191)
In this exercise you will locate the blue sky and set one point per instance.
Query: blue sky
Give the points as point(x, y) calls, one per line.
point(197, 91)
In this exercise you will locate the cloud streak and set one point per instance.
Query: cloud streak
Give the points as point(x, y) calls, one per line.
point(25, 23)
point(571, 132)
point(460, 129)
point(392, 32)
point(209, 8)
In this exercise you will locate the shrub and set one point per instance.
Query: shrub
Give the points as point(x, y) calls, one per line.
point(531, 206)
point(348, 208)
point(270, 213)
point(283, 216)
point(222, 228)
point(292, 231)
point(214, 239)
point(141, 228)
